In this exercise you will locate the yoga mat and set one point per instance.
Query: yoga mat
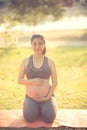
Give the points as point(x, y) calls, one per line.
point(65, 117)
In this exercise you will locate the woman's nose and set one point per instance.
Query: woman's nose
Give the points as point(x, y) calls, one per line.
point(37, 46)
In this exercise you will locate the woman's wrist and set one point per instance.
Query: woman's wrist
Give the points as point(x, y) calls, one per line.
point(25, 81)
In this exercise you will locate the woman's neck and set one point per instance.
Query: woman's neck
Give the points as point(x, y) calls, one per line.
point(38, 56)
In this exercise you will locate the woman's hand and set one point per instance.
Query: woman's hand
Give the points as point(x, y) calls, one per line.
point(39, 82)
point(42, 99)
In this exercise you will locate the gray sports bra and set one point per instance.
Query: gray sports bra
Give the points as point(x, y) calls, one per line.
point(43, 72)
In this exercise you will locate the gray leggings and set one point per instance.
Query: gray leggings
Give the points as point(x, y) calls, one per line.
point(47, 110)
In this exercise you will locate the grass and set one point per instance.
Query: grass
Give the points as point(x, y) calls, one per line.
point(22, 38)
point(71, 92)
point(71, 64)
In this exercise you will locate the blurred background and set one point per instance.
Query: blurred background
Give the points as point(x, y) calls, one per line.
point(63, 22)
point(64, 26)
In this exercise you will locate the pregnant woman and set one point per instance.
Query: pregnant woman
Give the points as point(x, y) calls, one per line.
point(35, 73)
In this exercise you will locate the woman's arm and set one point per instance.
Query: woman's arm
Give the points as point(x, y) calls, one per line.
point(22, 70)
point(53, 78)
point(22, 73)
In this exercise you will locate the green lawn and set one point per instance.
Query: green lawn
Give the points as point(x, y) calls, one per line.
point(71, 63)
point(71, 92)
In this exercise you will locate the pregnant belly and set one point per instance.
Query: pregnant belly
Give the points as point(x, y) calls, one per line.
point(37, 92)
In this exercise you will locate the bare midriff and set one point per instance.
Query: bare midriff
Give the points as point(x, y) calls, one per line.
point(38, 91)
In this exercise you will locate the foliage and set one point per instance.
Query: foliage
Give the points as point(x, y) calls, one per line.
point(30, 12)
point(7, 34)
point(34, 11)
point(71, 63)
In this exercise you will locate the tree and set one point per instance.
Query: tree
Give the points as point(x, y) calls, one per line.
point(67, 3)
point(36, 11)
point(30, 12)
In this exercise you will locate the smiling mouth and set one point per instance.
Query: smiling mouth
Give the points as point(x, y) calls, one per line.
point(38, 49)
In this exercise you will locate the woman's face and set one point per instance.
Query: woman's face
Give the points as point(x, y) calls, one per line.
point(38, 45)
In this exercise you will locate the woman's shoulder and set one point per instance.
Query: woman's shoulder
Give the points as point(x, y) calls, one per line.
point(26, 60)
point(50, 60)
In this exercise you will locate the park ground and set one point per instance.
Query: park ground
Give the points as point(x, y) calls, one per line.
point(71, 64)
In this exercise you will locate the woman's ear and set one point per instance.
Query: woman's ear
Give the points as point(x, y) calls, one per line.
point(44, 51)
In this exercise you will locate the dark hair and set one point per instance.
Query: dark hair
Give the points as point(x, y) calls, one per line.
point(41, 37)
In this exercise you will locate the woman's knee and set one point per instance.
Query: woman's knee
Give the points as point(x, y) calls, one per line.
point(49, 110)
point(48, 116)
point(30, 110)
point(30, 116)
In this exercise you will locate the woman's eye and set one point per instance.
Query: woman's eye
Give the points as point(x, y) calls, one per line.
point(34, 44)
point(37, 44)
point(40, 43)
